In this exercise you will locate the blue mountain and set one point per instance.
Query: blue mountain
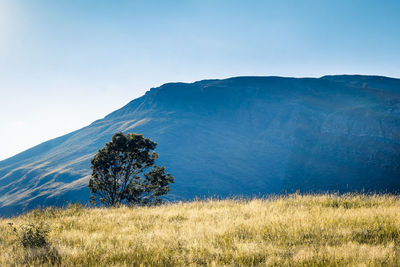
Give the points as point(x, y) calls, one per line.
point(245, 136)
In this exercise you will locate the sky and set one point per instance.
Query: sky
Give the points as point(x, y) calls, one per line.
point(67, 63)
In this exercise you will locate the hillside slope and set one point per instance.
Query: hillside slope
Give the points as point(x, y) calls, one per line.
point(244, 135)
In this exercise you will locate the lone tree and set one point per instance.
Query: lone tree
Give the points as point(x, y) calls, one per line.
point(123, 172)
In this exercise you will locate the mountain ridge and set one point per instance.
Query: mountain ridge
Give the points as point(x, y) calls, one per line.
point(242, 135)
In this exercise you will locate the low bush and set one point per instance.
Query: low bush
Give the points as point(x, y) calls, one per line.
point(33, 238)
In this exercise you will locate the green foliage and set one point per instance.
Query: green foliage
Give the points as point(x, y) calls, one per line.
point(123, 172)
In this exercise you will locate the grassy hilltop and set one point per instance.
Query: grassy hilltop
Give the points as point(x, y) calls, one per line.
point(288, 231)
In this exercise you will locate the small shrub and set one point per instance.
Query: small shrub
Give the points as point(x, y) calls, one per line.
point(33, 238)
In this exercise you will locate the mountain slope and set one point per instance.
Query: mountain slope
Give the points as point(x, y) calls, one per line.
point(244, 135)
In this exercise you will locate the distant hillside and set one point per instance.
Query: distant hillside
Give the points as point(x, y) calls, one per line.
point(238, 136)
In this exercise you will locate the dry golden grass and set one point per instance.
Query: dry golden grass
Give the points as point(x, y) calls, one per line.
point(321, 230)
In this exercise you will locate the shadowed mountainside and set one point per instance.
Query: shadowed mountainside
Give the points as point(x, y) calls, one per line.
point(238, 136)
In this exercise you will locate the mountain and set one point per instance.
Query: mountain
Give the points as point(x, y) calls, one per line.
point(237, 136)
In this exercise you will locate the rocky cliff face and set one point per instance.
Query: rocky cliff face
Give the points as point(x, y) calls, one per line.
point(239, 136)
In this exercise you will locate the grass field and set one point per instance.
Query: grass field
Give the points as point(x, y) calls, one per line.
point(320, 230)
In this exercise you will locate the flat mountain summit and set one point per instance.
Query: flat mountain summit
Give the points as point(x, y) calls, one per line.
point(246, 136)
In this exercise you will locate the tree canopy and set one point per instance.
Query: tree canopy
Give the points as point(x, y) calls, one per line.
point(123, 172)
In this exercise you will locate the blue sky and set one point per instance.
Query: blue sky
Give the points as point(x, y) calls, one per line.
point(66, 63)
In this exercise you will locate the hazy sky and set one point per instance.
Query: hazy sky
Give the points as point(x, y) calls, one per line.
point(64, 64)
